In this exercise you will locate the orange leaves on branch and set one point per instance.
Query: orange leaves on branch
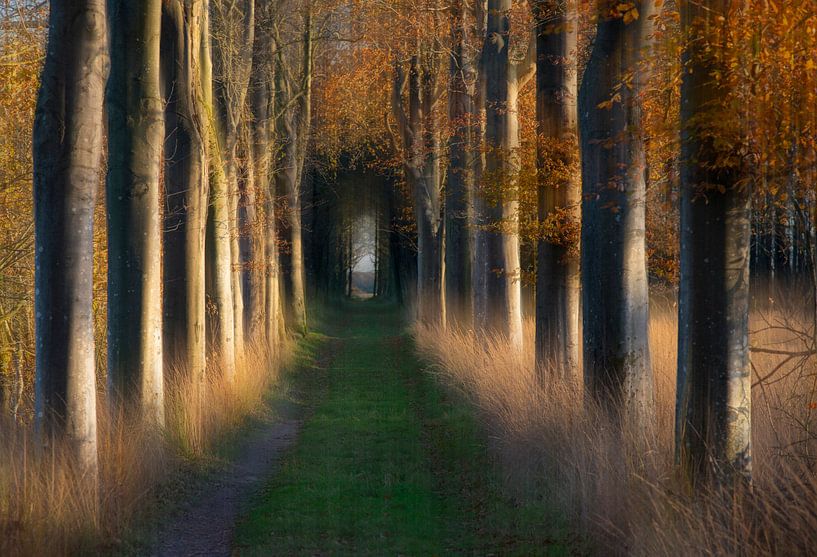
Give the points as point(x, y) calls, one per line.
point(626, 11)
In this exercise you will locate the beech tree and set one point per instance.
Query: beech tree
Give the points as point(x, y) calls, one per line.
point(713, 419)
point(615, 294)
point(421, 148)
point(233, 25)
point(251, 233)
point(135, 137)
point(459, 186)
point(67, 149)
point(233, 38)
point(559, 190)
point(220, 228)
point(293, 94)
point(262, 101)
point(186, 67)
point(497, 270)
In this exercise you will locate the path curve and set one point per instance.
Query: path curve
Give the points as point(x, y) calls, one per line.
point(205, 526)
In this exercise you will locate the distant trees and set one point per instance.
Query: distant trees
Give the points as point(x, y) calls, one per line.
point(233, 36)
point(68, 138)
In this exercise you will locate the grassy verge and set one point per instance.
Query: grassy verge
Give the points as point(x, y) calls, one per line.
point(388, 463)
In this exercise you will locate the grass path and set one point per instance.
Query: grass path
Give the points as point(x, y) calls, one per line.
point(386, 463)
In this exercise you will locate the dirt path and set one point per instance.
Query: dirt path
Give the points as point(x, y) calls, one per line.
point(385, 463)
point(388, 462)
point(205, 524)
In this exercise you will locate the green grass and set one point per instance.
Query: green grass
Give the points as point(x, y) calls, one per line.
point(387, 462)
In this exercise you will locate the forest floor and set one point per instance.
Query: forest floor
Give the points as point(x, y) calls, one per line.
point(386, 462)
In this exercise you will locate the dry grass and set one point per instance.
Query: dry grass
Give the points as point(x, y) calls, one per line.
point(620, 489)
point(47, 509)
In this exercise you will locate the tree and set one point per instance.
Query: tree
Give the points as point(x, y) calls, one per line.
point(262, 101)
point(220, 228)
point(615, 295)
point(497, 271)
point(458, 249)
point(68, 136)
point(252, 262)
point(135, 137)
point(421, 163)
point(233, 38)
point(233, 25)
point(559, 190)
point(186, 67)
point(713, 418)
point(293, 94)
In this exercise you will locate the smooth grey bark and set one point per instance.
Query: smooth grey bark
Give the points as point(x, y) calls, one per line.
point(479, 286)
point(294, 121)
point(615, 294)
point(262, 101)
point(288, 188)
point(458, 246)
point(559, 188)
point(67, 149)
point(185, 70)
point(713, 414)
point(421, 150)
point(497, 283)
point(233, 38)
point(135, 136)
point(250, 223)
point(220, 259)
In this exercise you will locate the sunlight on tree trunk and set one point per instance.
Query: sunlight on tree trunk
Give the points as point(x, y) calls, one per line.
point(559, 188)
point(617, 367)
point(186, 69)
point(714, 402)
point(68, 143)
point(135, 136)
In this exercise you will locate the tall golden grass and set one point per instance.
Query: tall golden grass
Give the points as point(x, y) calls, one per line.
point(46, 508)
point(620, 490)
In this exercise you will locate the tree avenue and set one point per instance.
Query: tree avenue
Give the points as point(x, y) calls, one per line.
point(540, 174)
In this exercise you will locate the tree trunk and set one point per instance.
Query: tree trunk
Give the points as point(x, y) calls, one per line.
point(220, 256)
point(498, 300)
point(236, 264)
point(295, 120)
point(262, 102)
point(135, 134)
point(186, 185)
point(617, 366)
point(288, 188)
point(421, 153)
point(713, 419)
point(233, 38)
point(559, 189)
point(458, 251)
point(253, 260)
point(67, 146)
